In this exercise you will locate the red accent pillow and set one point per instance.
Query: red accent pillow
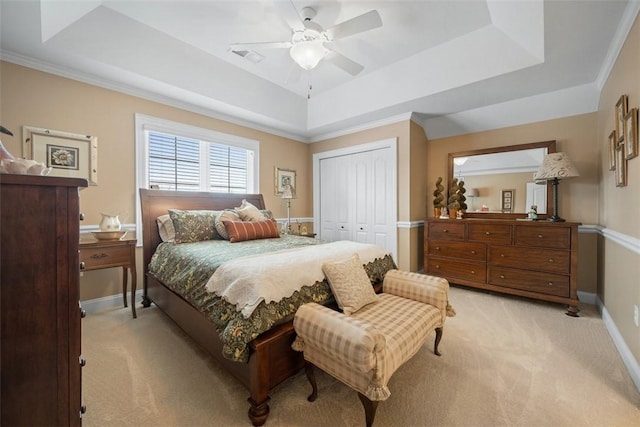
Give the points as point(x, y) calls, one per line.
point(239, 231)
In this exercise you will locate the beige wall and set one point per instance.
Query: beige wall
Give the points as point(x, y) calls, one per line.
point(619, 266)
point(34, 98)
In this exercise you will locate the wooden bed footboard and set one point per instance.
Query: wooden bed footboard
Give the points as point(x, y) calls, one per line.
point(271, 359)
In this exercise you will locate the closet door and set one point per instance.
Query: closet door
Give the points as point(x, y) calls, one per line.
point(356, 192)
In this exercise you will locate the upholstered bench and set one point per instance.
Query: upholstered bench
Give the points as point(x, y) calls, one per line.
point(366, 344)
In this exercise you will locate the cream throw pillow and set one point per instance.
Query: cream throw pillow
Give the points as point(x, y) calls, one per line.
point(249, 212)
point(350, 284)
point(227, 215)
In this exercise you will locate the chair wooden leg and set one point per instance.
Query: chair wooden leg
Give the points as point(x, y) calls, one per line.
point(311, 376)
point(370, 407)
point(438, 338)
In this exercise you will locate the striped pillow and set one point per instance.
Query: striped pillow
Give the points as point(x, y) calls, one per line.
point(239, 231)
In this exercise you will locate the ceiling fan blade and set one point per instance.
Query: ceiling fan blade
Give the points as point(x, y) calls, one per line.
point(343, 62)
point(364, 22)
point(260, 45)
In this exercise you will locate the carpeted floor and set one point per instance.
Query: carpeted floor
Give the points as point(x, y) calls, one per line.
point(505, 361)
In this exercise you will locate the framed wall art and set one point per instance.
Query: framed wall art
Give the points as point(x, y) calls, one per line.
point(621, 112)
point(507, 200)
point(613, 144)
point(68, 154)
point(283, 178)
point(631, 133)
point(621, 167)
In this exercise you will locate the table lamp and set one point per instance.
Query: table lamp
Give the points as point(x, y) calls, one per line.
point(555, 166)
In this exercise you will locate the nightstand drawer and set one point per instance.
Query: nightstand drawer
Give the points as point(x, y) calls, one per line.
point(454, 269)
point(105, 256)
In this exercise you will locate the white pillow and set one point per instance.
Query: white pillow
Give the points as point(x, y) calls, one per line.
point(165, 228)
point(249, 212)
point(350, 284)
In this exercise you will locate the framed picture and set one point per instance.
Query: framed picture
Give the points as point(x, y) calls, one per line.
point(67, 154)
point(613, 144)
point(621, 167)
point(621, 112)
point(508, 200)
point(284, 177)
point(631, 133)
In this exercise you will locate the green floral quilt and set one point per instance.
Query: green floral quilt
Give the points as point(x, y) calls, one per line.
point(185, 268)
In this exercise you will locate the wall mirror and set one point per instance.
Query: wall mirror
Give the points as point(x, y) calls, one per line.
point(499, 181)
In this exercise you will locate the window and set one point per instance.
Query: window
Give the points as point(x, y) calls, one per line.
point(174, 156)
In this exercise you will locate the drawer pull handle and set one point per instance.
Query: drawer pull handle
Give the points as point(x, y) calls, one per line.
point(502, 255)
point(550, 284)
point(502, 276)
point(445, 230)
point(98, 256)
point(539, 236)
point(487, 233)
point(437, 266)
point(437, 248)
point(473, 252)
point(82, 265)
point(550, 259)
point(473, 272)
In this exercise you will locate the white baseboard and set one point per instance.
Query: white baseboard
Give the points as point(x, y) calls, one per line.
point(627, 357)
point(587, 298)
point(111, 301)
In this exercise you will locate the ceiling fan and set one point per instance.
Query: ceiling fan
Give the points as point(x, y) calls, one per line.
point(308, 40)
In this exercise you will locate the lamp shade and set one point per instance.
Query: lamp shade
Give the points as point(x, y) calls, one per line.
point(289, 192)
point(307, 54)
point(555, 165)
point(473, 192)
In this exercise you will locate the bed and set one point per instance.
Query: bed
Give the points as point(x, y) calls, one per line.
point(268, 359)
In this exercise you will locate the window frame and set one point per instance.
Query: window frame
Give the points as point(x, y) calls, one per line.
point(144, 123)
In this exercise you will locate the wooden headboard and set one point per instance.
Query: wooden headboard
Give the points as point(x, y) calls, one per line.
point(154, 203)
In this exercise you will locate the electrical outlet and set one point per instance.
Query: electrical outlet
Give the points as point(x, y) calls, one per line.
point(635, 314)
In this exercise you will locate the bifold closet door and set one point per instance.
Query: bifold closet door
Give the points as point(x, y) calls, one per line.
point(355, 192)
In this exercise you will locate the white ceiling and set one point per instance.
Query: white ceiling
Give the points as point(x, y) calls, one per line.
point(453, 66)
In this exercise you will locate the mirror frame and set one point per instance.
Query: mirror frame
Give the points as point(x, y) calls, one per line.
point(549, 145)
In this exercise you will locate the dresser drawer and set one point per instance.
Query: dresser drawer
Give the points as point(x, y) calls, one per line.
point(533, 281)
point(490, 233)
point(455, 269)
point(467, 251)
point(548, 237)
point(549, 260)
point(446, 230)
point(104, 256)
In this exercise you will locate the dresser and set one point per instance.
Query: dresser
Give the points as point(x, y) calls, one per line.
point(40, 313)
point(535, 259)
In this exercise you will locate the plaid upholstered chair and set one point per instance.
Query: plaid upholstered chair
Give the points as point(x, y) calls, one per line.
point(366, 343)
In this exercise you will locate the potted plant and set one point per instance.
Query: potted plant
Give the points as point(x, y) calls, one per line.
point(453, 202)
point(461, 197)
point(438, 198)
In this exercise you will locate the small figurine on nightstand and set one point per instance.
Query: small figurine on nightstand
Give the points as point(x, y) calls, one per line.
point(444, 214)
point(533, 213)
point(459, 214)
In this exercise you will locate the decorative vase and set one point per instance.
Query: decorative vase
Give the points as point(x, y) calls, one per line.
point(436, 212)
point(453, 213)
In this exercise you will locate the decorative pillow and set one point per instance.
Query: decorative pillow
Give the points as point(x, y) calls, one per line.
point(350, 284)
point(165, 228)
point(239, 231)
point(248, 212)
point(267, 213)
point(226, 215)
point(193, 226)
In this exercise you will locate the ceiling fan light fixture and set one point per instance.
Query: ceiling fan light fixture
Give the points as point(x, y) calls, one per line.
point(308, 54)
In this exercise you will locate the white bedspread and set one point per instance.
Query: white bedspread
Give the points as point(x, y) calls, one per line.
point(247, 281)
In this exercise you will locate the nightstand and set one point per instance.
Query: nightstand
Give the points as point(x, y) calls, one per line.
point(99, 254)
